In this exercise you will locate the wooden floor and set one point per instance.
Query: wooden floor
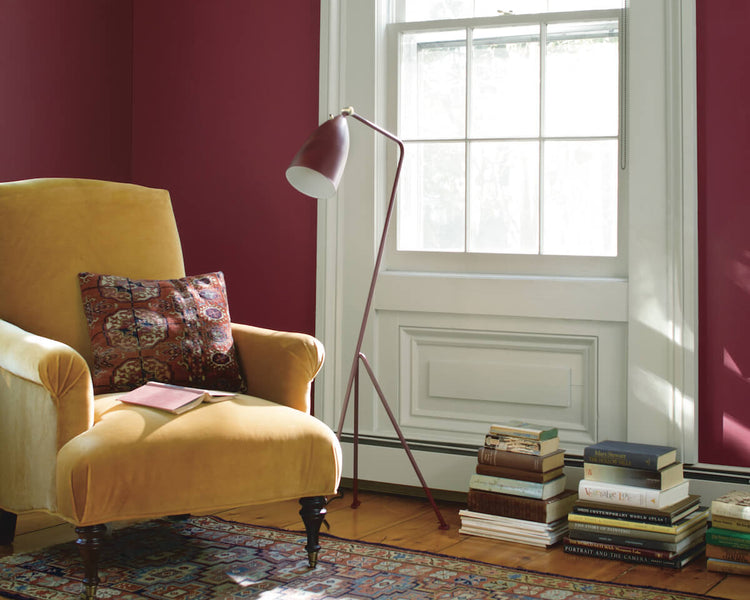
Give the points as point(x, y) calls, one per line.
point(412, 523)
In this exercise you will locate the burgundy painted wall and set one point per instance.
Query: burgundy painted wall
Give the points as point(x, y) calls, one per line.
point(724, 230)
point(225, 91)
point(65, 89)
point(211, 98)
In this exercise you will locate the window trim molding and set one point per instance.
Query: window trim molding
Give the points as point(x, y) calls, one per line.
point(678, 303)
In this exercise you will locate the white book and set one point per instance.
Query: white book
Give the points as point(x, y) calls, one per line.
point(517, 487)
point(629, 495)
point(521, 538)
point(497, 522)
point(734, 504)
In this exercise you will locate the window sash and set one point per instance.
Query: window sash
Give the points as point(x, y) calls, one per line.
point(397, 30)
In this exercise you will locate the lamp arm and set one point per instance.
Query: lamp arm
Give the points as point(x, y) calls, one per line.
point(378, 260)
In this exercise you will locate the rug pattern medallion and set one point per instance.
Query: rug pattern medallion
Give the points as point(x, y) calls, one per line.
point(206, 558)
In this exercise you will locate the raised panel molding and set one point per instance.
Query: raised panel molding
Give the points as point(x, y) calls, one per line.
point(455, 380)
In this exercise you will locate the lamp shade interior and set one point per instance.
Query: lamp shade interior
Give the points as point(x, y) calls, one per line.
point(317, 168)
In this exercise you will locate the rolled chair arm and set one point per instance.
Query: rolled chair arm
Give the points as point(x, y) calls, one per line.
point(60, 371)
point(278, 365)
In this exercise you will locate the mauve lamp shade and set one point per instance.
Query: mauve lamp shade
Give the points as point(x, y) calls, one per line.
point(318, 166)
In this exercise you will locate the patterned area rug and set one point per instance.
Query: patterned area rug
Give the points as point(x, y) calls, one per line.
point(208, 558)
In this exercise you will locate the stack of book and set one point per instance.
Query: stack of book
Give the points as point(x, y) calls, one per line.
point(728, 538)
point(634, 505)
point(518, 491)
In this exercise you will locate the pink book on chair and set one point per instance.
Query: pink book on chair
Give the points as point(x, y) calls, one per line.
point(176, 399)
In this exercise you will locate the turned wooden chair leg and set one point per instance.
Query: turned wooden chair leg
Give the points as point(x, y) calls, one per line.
point(7, 527)
point(90, 539)
point(313, 513)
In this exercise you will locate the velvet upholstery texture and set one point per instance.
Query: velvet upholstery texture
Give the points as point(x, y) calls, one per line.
point(90, 458)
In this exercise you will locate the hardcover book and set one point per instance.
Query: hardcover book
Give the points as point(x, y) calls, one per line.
point(516, 487)
point(524, 429)
point(522, 474)
point(727, 553)
point(521, 445)
point(659, 516)
point(694, 519)
point(631, 550)
point(727, 566)
point(659, 480)
point(677, 562)
point(723, 522)
point(728, 537)
point(628, 495)
point(517, 460)
point(175, 399)
point(628, 540)
point(630, 454)
point(639, 534)
point(518, 507)
point(734, 504)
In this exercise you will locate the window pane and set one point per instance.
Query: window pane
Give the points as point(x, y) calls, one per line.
point(581, 80)
point(429, 10)
point(504, 197)
point(579, 213)
point(505, 82)
point(432, 85)
point(431, 213)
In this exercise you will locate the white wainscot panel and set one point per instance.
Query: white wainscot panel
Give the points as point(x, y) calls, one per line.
point(461, 381)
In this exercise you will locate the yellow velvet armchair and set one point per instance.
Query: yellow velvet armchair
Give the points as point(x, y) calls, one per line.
point(91, 459)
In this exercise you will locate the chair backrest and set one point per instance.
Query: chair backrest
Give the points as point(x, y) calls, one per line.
point(53, 229)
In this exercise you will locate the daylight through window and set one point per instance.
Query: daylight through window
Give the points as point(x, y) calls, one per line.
point(511, 124)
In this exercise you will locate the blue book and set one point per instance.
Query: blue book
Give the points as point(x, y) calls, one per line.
point(630, 454)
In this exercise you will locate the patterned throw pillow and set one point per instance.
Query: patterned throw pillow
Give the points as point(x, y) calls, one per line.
point(174, 331)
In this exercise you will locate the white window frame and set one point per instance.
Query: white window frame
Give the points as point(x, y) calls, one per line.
point(663, 284)
point(506, 263)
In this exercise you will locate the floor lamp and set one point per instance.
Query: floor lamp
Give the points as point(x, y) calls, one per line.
point(316, 171)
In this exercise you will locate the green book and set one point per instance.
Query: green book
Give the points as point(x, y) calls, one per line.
point(524, 429)
point(728, 538)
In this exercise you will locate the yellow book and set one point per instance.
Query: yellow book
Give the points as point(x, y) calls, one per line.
point(689, 521)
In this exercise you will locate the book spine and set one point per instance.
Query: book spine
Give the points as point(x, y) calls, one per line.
point(502, 458)
point(674, 563)
point(514, 507)
point(727, 538)
point(524, 432)
point(613, 513)
point(631, 459)
point(623, 549)
point(513, 444)
point(727, 509)
point(727, 566)
point(627, 495)
point(623, 475)
point(573, 517)
point(517, 487)
point(621, 540)
point(620, 531)
point(727, 553)
point(536, 476)
point(732, 523)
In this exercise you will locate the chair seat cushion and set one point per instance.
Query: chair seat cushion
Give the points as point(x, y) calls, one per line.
point(138, 462)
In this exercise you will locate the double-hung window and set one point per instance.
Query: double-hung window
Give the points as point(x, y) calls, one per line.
point(511, 116)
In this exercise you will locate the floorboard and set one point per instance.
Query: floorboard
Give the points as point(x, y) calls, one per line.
point(411, 523)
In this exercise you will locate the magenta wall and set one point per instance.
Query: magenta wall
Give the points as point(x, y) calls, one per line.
point(65, 89)
point(211, 98)
point(724, 230)
point(224, 93)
